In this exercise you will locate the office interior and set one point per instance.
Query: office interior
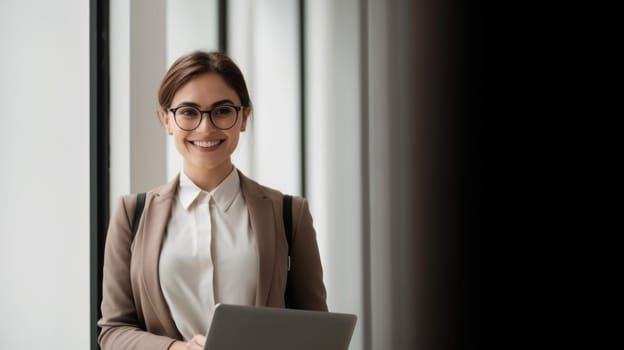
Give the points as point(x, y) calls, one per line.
point(386, 115)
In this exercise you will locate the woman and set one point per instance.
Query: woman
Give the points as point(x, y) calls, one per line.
point(209, 236)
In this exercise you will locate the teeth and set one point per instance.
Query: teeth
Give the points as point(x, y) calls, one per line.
point(206, 143)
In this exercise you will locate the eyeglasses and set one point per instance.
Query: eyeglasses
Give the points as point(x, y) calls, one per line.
point(188, 118)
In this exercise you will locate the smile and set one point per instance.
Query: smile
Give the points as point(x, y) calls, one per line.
point(206, 144)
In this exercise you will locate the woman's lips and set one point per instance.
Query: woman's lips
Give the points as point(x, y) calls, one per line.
point(206, 144)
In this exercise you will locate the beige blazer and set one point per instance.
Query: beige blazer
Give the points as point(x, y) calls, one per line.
point(135, 314)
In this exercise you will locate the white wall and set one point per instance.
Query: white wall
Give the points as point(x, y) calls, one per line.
point(137, 64)
point(275, 86)
point(263, 41)
point(333, 135)
point(44, 177)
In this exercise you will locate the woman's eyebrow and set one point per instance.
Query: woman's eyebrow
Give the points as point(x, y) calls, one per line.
point(218, 103)
point(186, 103)
point(222, 102)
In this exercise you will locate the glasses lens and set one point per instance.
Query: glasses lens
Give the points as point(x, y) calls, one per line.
point(224, 117)
point(188, 118)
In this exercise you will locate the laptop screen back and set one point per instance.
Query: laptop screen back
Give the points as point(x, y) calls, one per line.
point(236, 327)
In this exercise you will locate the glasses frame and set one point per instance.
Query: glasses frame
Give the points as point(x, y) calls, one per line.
point(201, 116)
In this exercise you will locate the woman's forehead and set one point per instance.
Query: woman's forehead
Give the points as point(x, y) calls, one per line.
point(205, 90)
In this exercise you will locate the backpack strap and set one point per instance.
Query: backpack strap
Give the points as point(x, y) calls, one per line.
point(138, 211)
point(287, 215)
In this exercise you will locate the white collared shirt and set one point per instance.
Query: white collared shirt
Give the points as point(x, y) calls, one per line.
point(209, 254)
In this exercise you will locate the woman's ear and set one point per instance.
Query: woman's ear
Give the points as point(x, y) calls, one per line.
point(246, 116)
point(164, 116)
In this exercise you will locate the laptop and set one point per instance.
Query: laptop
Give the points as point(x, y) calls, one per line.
point(237, 327)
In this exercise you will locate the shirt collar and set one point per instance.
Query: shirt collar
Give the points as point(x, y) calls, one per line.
point(223, 195)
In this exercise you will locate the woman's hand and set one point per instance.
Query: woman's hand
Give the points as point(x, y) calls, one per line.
point(197, 343)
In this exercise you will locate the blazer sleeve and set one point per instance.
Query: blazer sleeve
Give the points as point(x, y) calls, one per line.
point(120, 323)
point(307, 273)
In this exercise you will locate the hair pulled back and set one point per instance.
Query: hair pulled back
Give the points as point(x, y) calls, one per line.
point(196, 63)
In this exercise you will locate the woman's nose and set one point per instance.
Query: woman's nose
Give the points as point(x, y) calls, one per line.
point(206, 123)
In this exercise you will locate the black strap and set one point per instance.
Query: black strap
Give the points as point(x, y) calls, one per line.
point(138, 211)
point(287, 214)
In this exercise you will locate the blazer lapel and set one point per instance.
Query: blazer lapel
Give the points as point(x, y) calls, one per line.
point(261, 216)
point(157, 212)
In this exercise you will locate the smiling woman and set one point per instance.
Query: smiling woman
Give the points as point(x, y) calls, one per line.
point(205, 80)
point(211, 235)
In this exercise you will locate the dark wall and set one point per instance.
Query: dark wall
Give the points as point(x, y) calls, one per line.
point(458, 160)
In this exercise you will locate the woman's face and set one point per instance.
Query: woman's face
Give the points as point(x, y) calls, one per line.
point(206, 149)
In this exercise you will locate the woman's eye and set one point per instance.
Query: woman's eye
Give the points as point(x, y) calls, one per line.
point(224, 111)
point(188, 112)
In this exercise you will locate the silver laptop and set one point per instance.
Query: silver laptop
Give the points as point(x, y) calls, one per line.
point(236, 327)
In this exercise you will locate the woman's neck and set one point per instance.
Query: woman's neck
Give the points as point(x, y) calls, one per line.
point(208, 179)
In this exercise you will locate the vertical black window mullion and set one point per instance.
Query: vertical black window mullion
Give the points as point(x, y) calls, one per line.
point(302, 75)
point(222, 23)
point(98, 154)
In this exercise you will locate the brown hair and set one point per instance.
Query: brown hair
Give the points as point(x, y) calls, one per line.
point(191, 65)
